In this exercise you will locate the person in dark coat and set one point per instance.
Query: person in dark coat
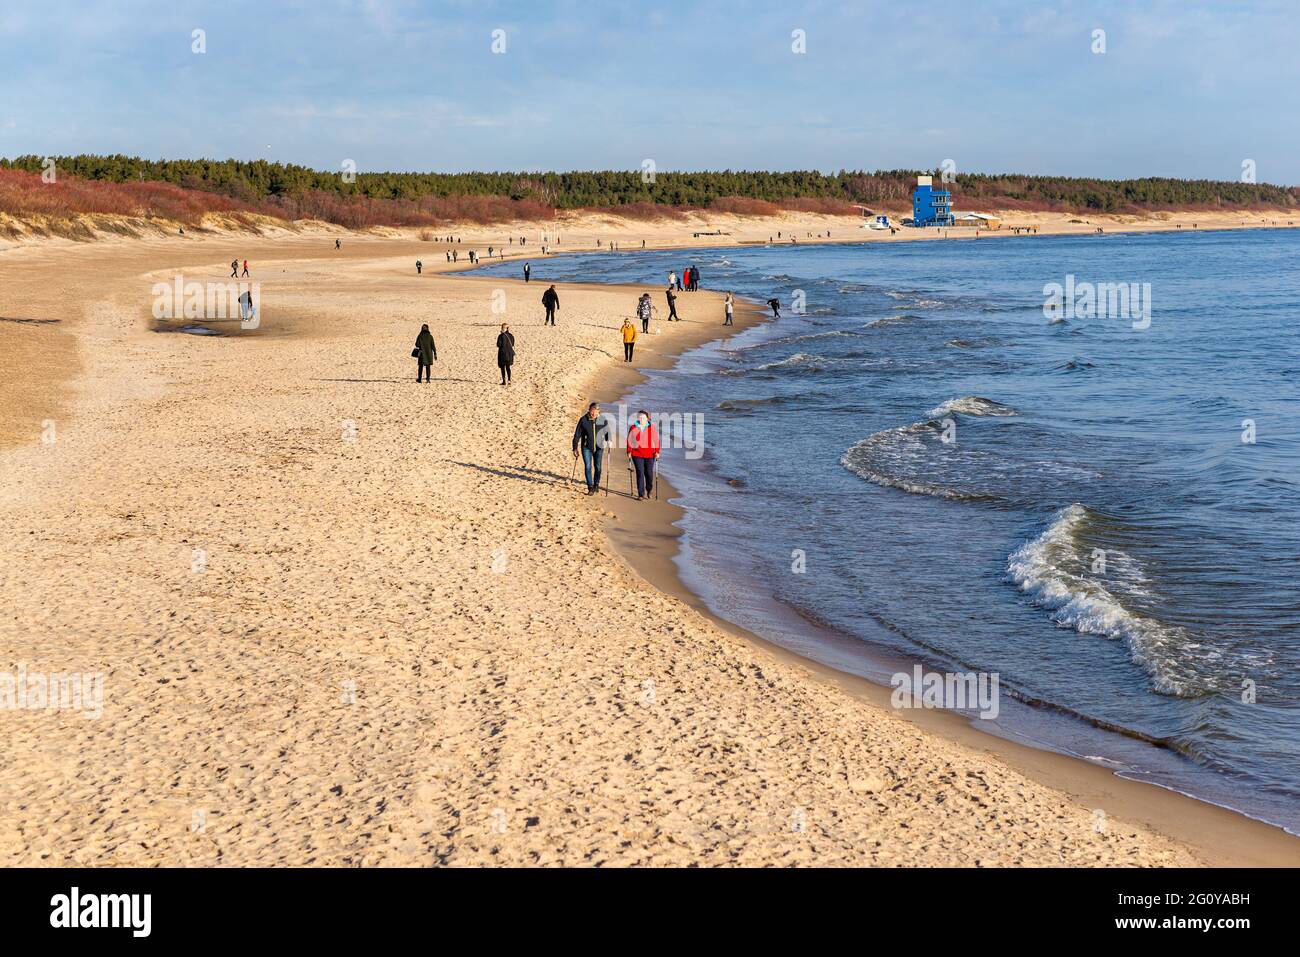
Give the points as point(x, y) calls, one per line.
point(425, 353)
point(551, 300)
point(528, 272)
point(672, 305)
point(505, 352)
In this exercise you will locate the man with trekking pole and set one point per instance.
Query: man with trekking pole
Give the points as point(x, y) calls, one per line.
point(590, 438)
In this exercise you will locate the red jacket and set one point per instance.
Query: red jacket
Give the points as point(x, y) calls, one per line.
point(643, 443)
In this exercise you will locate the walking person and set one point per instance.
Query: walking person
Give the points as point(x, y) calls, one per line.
point(528, 272)
point(419, 267)
point(591, 437)
point(234, 269)
point(672, 304)
point(643, 311)
point(551, 300)
point(677, 281)
point(728, 305)
point(776, 306)
point(246, 311)
point(643, 450)
point(695, 279)
point(245, 268)
point(338, 244)
point(505, 352)
point(629, 339)
point(425, 352)
point(672, 279)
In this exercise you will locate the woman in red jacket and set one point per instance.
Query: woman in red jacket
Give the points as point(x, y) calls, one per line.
point(643, 450)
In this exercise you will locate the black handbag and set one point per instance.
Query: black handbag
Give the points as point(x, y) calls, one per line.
point(415, 353)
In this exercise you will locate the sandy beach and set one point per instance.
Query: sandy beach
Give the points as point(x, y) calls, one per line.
point(344, 619)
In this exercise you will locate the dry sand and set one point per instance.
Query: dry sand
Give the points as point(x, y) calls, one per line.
point(411, 641)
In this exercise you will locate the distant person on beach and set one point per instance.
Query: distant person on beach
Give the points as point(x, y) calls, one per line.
point(672, 304)
point(672, 280)
point(338, 244)
point(505, 352)
point(695, 279)
point(245, 267)
point(643, 311)
point(591, 437)
point(551, 300)
point(234, 269)
point(776, 306)
point(528, 272)
point(678, 282)
point(425, 353)
point(643, 450)
point(629, 339)
point(419, 267)
point(728, 306)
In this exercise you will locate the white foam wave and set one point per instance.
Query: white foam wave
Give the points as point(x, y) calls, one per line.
point(972, 405)
point(1050, 570)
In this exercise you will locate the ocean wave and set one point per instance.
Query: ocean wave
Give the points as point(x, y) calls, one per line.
point(892, 458)
point(925, 458)
point(1053, 571)
point(893, 320)
point(1073, 365)
point(972, 405)
point(800, 359)
point(811, 336)
point(749, 405)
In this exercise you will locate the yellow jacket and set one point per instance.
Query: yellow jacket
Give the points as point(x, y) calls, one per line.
point(629, 331)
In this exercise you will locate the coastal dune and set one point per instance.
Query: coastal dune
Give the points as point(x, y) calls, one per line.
point(344, 619)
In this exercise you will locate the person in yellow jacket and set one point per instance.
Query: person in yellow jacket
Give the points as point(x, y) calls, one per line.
point(629, 339)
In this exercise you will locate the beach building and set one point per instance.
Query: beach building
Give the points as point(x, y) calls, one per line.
point(930, 206)
point(979, 220)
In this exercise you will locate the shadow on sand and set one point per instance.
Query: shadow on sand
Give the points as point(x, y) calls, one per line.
point(543, 477)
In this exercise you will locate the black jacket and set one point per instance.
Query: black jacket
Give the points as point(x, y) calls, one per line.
point(506, 349)
point(424, 344)
point(591, 435)
point(551, 299)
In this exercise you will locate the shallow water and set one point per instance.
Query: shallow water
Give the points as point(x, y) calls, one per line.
point(1069, 503)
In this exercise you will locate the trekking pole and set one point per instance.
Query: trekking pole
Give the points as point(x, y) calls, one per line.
point(658, 475)
point(607, 471)
point(573, 471)
point(631, 488)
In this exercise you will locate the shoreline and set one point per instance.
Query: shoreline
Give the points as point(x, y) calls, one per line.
point(647, 537)
point(497, 693)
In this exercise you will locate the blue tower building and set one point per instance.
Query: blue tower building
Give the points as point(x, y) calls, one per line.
point(930, 206)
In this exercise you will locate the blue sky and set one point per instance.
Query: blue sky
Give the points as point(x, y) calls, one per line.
point(1184, 88)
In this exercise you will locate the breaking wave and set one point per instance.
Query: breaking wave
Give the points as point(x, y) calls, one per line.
point(1055, 570)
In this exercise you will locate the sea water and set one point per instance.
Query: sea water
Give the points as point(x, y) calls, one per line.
point(938, 455)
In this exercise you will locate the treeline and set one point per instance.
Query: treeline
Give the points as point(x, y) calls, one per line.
point(362, 198)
